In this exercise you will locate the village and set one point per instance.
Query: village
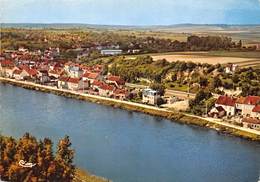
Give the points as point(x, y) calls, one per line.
point(44, 69)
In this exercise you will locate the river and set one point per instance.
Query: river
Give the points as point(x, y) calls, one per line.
point(127, 146)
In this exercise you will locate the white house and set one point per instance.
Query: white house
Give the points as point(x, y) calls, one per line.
point(246, 104)
point(62, 82)
point(227, 103)
point(106, 90)
point(150, 96)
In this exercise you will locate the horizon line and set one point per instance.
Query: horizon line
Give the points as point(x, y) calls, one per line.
point(135, 25)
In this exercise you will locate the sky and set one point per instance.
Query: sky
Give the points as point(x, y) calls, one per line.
point(131, 12)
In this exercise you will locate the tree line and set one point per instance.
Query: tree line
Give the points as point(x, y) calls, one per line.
point(70, 39)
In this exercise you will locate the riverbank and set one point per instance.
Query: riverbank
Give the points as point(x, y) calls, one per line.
point(84, 176)
point(172, 115)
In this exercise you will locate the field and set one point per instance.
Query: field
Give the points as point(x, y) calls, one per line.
point(202, 59)
point(243, 59)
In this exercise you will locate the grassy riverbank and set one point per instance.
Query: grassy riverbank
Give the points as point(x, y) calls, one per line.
point(84, 176)
point(171, 115)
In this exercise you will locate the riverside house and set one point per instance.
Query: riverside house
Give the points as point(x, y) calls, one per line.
point(245, 105)
point(227, 103)
point(6, 68)
point(74, 84)
point(106, 90)
point(150, 96)
point(17, 74)
point(252, 123)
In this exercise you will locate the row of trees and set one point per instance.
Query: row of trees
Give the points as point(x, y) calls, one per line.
point(69, 39)
point(48, 166)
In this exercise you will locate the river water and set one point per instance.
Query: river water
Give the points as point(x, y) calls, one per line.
point(127, 146)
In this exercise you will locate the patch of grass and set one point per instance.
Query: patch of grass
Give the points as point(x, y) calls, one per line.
point(85, 176)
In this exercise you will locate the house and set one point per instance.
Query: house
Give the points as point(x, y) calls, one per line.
point(256, 112)
point(90, 76)
point(29, 72)
point(115, 80)
point(239, 104)
point(73, 83)
point(73, 70)
point(150, 96)
point(247, 104)
point(227, 103)
point(96, 84)
point(43, 76)
point(120, 94)
point(6, 68)
point(106, 90)
point(111, 52)
point(252, 123)
point(17, 74)
point(217, 112)
point(231, 68)
point(62, 82)
point(55, 73)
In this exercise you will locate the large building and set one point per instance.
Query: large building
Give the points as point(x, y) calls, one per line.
point(150, 96)
point(111, 52)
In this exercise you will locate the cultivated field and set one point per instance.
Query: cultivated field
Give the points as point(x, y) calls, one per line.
point(202, 59)
point(243, 59)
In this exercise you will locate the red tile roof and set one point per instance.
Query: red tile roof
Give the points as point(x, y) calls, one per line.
point(240, 100)
point(117, 79)
point(97, 83)
point(7, 63)
point(252, 100)
point(256, 108)
point(226, 100)
point(17, 72)
point(120, 91)
point(91, 75)
point(73, 80)
point(32, 72)
point(106, 87)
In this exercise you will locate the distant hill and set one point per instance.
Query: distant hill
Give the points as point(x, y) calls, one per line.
point(194, 27)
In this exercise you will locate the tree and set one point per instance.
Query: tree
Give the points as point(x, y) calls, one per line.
point(197, 105)
point(65, 157)
point(216, 82)
point(158, 87)
point(203, 82)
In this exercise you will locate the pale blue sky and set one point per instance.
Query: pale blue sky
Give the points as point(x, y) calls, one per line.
point(131, 12)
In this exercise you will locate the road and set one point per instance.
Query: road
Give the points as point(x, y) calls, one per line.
point(170, 92)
